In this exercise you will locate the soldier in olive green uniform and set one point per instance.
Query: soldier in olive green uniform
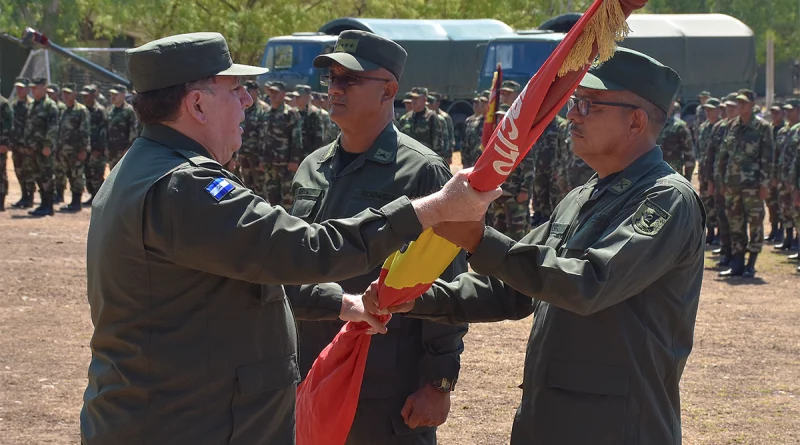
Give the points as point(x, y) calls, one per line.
point(338, 181)
point(424, 125)
point(21, 154)
point(450, 132)
point(6, 121)
point(744, 167)
point(613, 322)
point(676, 143)
point(473, 133)
point(249, 157)
point(786, 144)
point(282, 148)
point(194, 339)
point(73, 147)
point(41, 136)
point(510, 213)
point(96, 163)
point(313, 128)
point(704, 136)
point(123, 128)
point(545, 190)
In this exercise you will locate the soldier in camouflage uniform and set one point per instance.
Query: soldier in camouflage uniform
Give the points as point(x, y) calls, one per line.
point(700, 113)
point(545, 189)
point(6, 122)
point(54, 93)
point(331, 129)
point(571, 170)
point(794, 172)
point(473, 133)
point(510, 213)
point(778, 119)
point(509, 91)
point(676, 143)
point(283, 147)
point(744, 166)
point(715, 188)
point(313, 128)
point(22, 155)
point(123, 127)
point(73, 147)
point(249, 156)
point(41, 136)
point(786, 143)
point(450, 131)
point(424, 125)
point(98, 121)
point(711, 107)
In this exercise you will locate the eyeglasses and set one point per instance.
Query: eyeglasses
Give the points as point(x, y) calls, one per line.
point(584, 104)
point(346, 80)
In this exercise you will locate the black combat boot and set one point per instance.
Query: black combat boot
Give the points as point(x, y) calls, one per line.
point(59, 198)
point(88, 202)
point(773, 233)
point(25, 202)
point(2, 203)
point(750, 268)
point(779, 237)
point(725, 257)
point(46, 207)
point(737, 266)
point(787, 241)
point(74, 206)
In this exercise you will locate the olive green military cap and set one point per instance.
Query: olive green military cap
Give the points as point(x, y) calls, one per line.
point(53, 88)
point(118, 88)
point(777, 107)
point(68, 88)
point(510, 85)
point(746, 95)
point(730, 103)
point(419, 91)
point(430, 99)
point(277, 85)
point(712, 102)
point(704, 94)
point(293, 94)
point(251, 85)
point(364, 51)
point(791, 104)
point(303, 89)
point(37, 81)
point(730, 96)
point(89, 89)
point(408, 96)
point(21, 82)
point(183, 58)
point(435, 95)
point(638, 73)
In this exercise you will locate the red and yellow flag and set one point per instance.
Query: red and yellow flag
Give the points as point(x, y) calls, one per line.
point(328, 398)
point(490, 119)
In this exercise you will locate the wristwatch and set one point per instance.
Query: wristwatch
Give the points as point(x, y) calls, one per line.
point(444, 384)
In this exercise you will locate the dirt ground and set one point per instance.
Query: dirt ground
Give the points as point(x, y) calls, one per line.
point(741, 384)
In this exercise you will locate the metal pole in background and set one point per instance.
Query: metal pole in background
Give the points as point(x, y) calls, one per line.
point(770, 71)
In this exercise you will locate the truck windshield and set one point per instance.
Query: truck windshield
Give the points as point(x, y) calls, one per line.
point(517, 57)
point(293, 56)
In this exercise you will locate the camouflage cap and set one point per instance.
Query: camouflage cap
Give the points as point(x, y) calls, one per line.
point(118, 88)
point(776, 107)
point(302, 89)
point(510, 85)
point(712, 102)
point(486, 93)
point(746, 95)
point(364, 51)
point(638, 73)
point(704, 93)
point(277, 85)
point(89, 89)
point(293, 94)
point(251, 85)
point(730, 103)
point(408, 96)
point(53, 88)
point(183, 58)
point(37, 81)
point(430, 99)
point(68, 88)
point(730, 96)
point(791, 104)
point(435, 95)
point(21, 82)
point(419, 91)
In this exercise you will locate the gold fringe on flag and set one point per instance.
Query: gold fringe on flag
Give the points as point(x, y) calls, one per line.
point(605, 28)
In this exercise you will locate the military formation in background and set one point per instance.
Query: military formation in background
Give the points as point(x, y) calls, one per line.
point(745, 162)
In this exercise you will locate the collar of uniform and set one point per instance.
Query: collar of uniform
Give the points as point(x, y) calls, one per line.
point(174, 139)
point(641, 166)
point(382, 151)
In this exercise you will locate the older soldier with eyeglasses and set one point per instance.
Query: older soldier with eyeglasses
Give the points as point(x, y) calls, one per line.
point(613, 279)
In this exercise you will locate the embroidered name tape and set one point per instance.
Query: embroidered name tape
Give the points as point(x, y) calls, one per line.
point(218, 188)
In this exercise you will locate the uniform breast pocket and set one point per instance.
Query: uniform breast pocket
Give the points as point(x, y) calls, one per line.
point(306, 203)
point(586, 235)
point(363, 199)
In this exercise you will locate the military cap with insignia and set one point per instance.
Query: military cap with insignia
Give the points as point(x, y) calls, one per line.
point(510, 85)
point(363, 51)
point(712, 102)
point(68, 88)
point(21, 82)
point(251, 85)
point(118, 88)
point(277, 85)
point(183, 58)
point(37, 81)
point(53, 88)
point(630, 70)
point(302, 89)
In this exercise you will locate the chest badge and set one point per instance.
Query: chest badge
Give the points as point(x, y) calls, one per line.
point(218, 188)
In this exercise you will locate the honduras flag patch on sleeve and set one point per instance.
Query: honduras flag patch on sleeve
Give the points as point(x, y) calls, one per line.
point(218, 188)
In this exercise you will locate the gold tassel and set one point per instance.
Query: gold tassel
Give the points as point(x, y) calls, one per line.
point(606, 28)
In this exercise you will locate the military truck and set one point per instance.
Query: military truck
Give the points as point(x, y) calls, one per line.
point(697, 46)
point(443, 55)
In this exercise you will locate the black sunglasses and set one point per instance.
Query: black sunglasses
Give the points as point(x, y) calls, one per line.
point(584, 104)
point(346, 80)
